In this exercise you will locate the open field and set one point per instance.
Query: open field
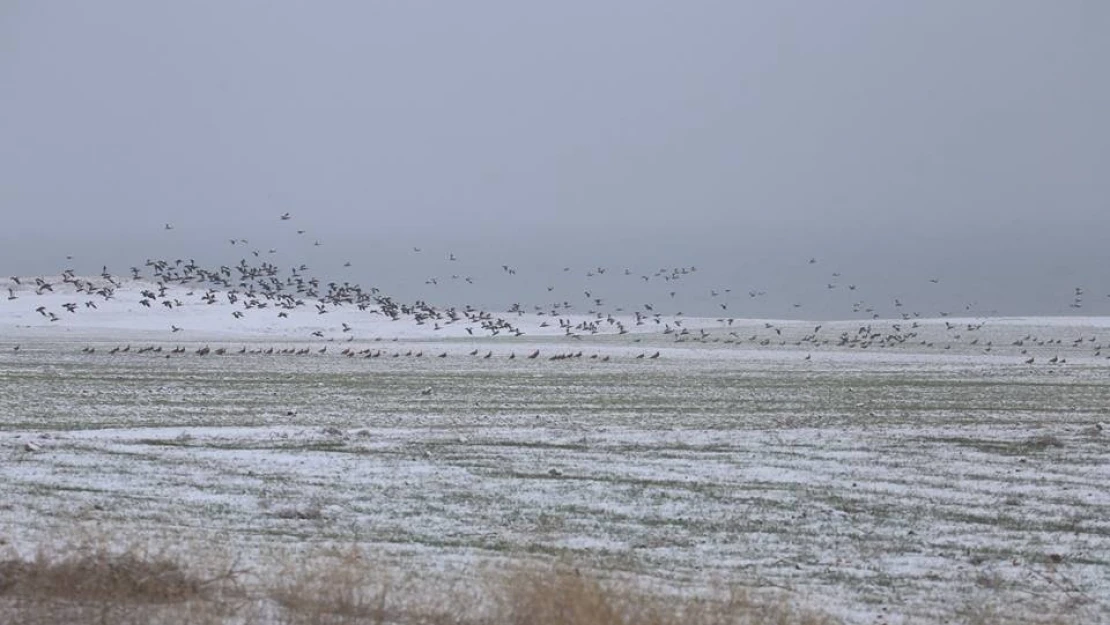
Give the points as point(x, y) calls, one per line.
point(902, 485)
point(919, 470)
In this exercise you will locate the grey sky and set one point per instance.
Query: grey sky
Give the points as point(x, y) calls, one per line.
point(892, 141)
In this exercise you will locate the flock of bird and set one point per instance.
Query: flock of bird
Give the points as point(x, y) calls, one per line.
point(256, 286)
point(349, 352)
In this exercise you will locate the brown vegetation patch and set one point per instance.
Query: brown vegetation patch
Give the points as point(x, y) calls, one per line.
point(569, 597)
point(101, 576)
point(98, 586)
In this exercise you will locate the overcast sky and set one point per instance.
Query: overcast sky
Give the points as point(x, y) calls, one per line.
point(892, 142)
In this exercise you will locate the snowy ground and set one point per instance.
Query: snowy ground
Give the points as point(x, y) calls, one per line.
point(902, 480)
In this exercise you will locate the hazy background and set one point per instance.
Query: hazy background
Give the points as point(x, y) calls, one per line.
point(893, 142)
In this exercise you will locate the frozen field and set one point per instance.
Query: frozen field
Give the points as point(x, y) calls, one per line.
point(903, 480)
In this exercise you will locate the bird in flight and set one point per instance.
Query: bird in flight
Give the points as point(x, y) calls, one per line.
point(286, 216)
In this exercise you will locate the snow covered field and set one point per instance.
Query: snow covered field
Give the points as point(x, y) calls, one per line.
point(904, 476)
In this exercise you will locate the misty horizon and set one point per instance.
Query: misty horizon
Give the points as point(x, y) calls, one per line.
point(895, 145)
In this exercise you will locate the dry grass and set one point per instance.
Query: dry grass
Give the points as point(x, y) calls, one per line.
point(568, 597)
point(93, 584)
point(343, 588)
point(99, 576)
point(995, 615)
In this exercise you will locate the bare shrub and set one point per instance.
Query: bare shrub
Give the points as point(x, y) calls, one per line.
point(101, 576)
point(566, 596)
point(340, 590)
point(94, 584)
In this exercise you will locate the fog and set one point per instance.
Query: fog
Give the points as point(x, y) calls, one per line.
point(892, 143)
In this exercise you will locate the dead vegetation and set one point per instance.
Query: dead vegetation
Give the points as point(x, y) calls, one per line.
point(100, 576)
point(94, 584)
point(97, 585)
point(569, 597)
